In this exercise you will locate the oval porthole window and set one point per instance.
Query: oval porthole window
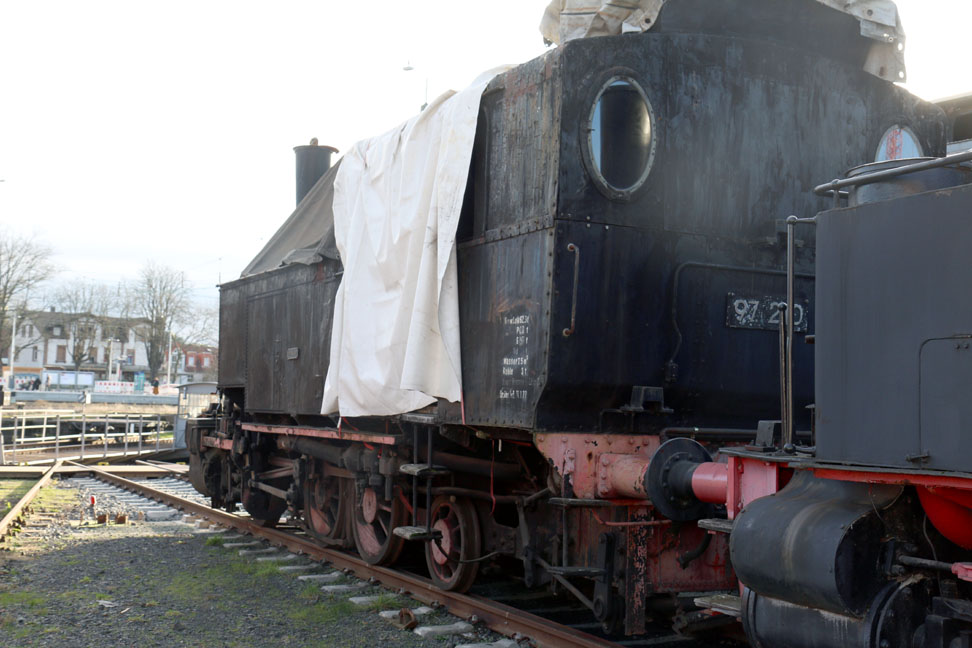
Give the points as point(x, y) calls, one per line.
point(898, 143)
point(620, 140)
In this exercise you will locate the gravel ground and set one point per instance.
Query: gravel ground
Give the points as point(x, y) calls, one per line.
point(170, 584)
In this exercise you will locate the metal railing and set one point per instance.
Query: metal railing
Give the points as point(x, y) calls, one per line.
point(46, 435)
point(833, 188)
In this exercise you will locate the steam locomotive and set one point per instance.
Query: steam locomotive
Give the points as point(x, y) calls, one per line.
point(650, 282)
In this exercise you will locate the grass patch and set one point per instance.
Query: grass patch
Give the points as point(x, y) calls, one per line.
point(11, 490)
point(21, 599)
point(265, 569)
point(214, 541)
point(310, 592)
point(50, 498)
point(386, 601)
point(321, 613)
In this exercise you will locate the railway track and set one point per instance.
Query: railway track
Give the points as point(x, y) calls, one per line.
point(15, 517)
point(506, 619)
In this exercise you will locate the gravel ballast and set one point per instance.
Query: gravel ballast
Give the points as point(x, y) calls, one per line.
point(167, 583)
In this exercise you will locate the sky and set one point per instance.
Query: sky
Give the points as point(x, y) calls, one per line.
point(141, 130)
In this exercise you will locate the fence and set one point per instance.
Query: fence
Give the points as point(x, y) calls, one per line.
point(46, 435)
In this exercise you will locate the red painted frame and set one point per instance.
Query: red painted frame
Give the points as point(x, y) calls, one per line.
point(322, 433)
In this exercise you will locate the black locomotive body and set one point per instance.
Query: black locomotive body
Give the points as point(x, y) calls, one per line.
point(622, 262)
point(869, 544)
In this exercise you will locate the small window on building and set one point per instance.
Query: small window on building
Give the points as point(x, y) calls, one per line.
point(190, 360)
point(130, 356)
point(107, 353)
point(57, 331)
point(33, 354)
point(61, 353)
point(92, 354)
point(206, 361)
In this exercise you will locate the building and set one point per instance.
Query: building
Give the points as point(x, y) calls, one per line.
point(194, 363)
point(108, 347)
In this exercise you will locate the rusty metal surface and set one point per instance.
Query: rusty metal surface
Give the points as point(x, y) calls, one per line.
point(504, 308)
point(16, 513)
point(498, 617)
point(585, 451)
point(36, 472)
point(323, 433)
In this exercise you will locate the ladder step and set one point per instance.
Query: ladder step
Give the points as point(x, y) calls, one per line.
point(722, 603)
point(423, 470)
point(718, 525)
point(580, 572)
point(416, 533)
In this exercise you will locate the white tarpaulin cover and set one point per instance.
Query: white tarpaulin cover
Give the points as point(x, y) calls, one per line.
point(397, 199)
point(566, 20)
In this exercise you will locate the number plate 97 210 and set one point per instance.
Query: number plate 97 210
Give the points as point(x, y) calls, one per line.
point(751, 312)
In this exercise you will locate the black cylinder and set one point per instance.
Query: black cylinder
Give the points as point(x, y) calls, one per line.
point(815, 543)
point(313, 161)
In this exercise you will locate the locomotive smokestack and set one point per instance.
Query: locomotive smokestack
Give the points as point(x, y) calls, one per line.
point(313, 161)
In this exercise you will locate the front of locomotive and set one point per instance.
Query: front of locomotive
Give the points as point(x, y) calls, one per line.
point(870, 543)
point(643, 331)
point(855, 531)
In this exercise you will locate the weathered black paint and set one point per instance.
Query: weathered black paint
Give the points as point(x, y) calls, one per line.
point(818, 541)
point(748, 114)
point(745, 123)
point(275, 333)
point(894, 326)
point(312, 162)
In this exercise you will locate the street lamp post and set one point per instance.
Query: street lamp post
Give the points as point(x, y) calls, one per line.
point(111, 357)
point(13, 337)
point(168, 362)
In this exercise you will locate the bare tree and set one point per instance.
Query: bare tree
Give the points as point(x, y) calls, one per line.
point(86, 309)
point(201, 328)
point(24, 263)
point(161, 296)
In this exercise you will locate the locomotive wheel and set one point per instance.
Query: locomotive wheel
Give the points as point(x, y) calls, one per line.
point(372, 523)
point(264, 510)
point(325, 507)
point(456, 519)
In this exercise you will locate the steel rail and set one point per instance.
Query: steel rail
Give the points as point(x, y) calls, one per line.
point(501, 618)
point(15, 513)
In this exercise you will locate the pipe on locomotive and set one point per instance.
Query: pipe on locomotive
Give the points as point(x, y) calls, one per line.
point(680, 479)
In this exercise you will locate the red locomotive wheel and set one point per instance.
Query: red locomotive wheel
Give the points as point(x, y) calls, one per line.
point(372, 524)
point(456, 519)
point(325, 507)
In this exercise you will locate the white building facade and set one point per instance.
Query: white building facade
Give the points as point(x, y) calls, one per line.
point(48, 341)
